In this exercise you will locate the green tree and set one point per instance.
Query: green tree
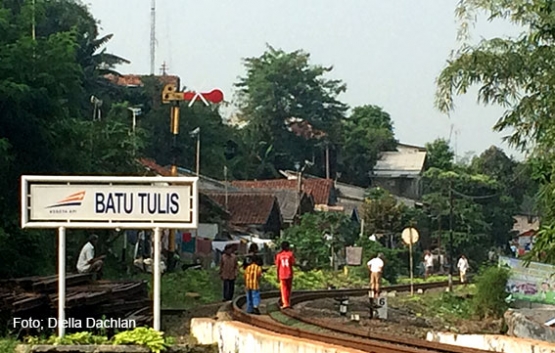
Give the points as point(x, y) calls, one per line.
point(317, 234)
point(439, 155)
point(382, 213)
point(280, 89)
point(472, 195)
point(517, 74)
point(44, 129)
point(367, 132)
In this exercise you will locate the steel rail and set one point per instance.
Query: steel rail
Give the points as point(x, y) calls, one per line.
point(360, 339)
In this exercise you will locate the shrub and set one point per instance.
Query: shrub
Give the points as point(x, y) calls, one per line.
point(489, 300)
point(7, 345)
point(144, 336)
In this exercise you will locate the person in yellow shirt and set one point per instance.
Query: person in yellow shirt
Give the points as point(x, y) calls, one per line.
point(253, 272)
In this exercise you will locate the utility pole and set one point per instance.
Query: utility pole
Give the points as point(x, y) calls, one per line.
point(327, 160)
point(198, 153)
point(333, 264)
point(450, 235)
point(225, 178)
point(33, 24)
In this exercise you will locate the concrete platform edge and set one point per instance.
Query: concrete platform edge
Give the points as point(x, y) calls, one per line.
point(234, 336)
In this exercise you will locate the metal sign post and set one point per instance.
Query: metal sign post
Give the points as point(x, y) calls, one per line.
point(61, 280)
point(410, 236)
point(156, 285)
point(98, 202)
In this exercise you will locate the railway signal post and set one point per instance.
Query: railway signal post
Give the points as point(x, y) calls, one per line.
point(171, 95)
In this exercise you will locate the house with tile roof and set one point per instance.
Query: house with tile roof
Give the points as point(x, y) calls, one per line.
point(209, 210)
point(291, 204)
point(289, 201)
point(132, 81)
point(349, 197)
point(257, 213)
point(322, 190)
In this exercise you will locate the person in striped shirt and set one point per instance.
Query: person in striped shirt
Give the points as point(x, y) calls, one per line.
point(253, 272)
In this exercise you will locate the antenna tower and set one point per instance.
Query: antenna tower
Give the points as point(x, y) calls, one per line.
point(152, 35)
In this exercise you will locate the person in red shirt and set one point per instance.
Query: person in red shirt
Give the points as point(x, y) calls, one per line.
point(284, 263)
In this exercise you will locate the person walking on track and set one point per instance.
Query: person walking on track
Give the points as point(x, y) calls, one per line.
point(253, 272)
point(376, 268)
point(463, 267)
point(228, 272)
point(284, 263)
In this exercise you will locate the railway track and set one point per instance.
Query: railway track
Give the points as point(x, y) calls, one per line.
point(360, 339)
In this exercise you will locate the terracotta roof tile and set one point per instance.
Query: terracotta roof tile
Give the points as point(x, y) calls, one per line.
point(246, 208)
point(320, 189)
point(136, 80)
point(154, 167)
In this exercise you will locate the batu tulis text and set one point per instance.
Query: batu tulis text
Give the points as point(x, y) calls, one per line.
point(147, 203)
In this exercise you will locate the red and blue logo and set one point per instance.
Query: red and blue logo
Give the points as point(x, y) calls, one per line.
point(72, 200)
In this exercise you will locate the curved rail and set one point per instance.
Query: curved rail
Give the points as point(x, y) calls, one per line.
point(359, 339)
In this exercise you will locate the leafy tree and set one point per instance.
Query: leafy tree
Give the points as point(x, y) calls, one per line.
point(315, 236)
point(367, 132)
point(280, 89)
point(517, 74)
point(473, 195)
point(382, 213)
point(44, 129)
point(439, 155)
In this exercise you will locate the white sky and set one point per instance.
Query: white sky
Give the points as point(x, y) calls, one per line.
point(388, 52)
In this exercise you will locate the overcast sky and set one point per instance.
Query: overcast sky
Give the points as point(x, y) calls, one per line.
point(388, 52)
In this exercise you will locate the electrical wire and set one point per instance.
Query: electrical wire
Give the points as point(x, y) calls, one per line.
point(473, 197)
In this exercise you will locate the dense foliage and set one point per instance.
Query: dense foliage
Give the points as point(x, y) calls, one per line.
point(516, 74)
point(491, 293)
point(318, 235)
point(60, 114)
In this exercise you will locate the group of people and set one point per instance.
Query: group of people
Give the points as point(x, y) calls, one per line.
point(462, 266)
point(252, 268)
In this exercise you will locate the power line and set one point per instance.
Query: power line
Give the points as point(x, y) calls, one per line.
point(458, 193)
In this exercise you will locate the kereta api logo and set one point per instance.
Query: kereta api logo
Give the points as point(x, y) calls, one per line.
point(72, 200)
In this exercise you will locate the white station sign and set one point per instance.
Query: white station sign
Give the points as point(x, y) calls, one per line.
point(123, 204)
point(110, 203)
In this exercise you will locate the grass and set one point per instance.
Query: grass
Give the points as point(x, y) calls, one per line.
point(288, 321)
point(176, 287)
point(437, 278)
point(450, 307)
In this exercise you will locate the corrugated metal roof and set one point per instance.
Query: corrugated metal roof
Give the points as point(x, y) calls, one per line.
point(400, 164)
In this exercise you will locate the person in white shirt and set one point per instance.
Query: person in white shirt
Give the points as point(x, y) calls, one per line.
point(429, 263)
point(375, 266)
point(463, 267)
point(87, 263)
